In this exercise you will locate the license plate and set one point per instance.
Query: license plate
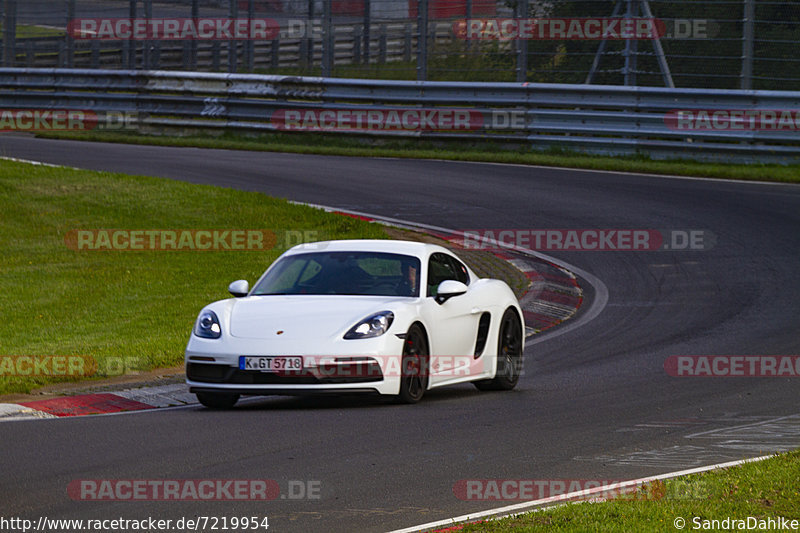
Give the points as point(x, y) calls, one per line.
point(270, 364)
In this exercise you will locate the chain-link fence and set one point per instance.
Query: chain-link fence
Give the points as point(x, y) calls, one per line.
point(683, 43)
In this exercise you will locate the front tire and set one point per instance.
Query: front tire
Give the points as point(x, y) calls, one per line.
point(509, 354)
point(217, 400)
point(414, 366)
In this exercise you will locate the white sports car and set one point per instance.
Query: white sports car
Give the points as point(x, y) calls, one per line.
point(392, 317)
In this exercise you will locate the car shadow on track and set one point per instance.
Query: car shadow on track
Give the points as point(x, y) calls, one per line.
point(463, 393)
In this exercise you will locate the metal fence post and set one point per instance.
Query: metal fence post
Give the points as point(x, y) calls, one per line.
point(95, 61)
point(30, 54)
point(195, 16)
point(70, 40)
point(747, 44)
point(130, 44)
point(216, 52)
point(3, 18)
point(327, 38)
point(382, 44)
point(148, 14)
point(408, 42)
point(467, 17)
point(307, 59)
point(367, 22)
point(233, 59)
point(630, 51)
point(422, 40)
point(522, 44)
point(358, 34)
point(250, 49)
point(186, 59)
point(274, 53)
point(666, 74)
point(10, 33)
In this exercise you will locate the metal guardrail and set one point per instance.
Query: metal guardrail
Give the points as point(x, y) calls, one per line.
point(590, 118)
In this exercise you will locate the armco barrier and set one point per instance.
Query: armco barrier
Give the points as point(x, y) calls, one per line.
point(691, 123)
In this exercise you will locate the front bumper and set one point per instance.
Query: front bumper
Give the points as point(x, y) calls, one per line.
point(212, 366)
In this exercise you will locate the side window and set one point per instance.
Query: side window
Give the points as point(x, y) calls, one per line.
point(440, 268)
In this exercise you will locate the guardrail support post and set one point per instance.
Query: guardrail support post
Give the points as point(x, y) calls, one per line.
point(422, 40)
point(522, 44)
point(10, 33)
point(747, 44)
point(327, 38)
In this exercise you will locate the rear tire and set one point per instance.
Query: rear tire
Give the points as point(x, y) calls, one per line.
point(414, 366)
point(509, 354)
point(217, 400)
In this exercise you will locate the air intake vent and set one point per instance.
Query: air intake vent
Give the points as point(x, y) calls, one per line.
point(483, 333)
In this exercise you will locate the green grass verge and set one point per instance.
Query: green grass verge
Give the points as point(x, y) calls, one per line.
point(138, 305)
point(26, 31)
point(763, 490)
point(454, 151)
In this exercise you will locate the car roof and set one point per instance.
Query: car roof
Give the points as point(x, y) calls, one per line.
point(418, 249)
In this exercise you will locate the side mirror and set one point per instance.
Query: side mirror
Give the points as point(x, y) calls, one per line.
point(239, 288)
point(448, 289)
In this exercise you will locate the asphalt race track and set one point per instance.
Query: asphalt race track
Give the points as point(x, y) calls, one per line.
point(594, 403)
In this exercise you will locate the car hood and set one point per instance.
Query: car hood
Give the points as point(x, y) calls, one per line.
point(302, 316)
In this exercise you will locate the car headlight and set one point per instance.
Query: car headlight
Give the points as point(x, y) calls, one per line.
point(372, 326)
point(207, 325)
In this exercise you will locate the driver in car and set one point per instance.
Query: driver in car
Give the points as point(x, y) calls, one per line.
point(408, 284)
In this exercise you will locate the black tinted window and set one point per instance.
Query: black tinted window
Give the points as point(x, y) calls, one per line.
point(442, 267)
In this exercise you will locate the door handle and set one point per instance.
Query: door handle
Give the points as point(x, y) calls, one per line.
point(475, 311)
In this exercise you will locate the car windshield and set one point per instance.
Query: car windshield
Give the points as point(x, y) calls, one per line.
point(356, 273)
